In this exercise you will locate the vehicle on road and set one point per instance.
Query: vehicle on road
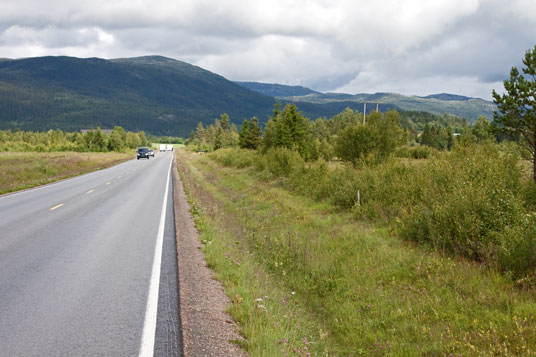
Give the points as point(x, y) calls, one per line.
point(143, 153)
point(169, 147)
point(162, 147)
point(151, 152)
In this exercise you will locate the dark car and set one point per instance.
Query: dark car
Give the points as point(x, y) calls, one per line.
point(143, 153)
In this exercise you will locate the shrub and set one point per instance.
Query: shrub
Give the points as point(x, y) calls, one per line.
point(416, 152)
point(517, 254)
point(239, 158)
point(356, 142)
point(281, 161)
point(472, 201)
point(469, 202)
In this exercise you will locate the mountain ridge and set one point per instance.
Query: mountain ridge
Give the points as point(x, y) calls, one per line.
point(151, 93)
point(159, 95)
point(467, 107)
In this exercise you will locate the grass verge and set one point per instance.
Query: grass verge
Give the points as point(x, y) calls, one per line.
point(306, 278)
point(21, 170)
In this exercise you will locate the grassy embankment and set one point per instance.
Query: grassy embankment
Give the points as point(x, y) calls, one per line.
point(20, 170)
point(307, 277)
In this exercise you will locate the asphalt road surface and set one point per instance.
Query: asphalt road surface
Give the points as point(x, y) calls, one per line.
point(88, 265)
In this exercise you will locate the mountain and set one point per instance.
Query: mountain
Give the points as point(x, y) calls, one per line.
point(466, 107)
point(446, 96)
point(155, 94)
point(163, 96)
point(277, 90)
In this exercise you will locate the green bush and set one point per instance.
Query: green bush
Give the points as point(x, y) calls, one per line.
point(472, 201)
point(469, 201)
point(239, 158)
point(313, 180)
point(517, 254)
point(281, 161)
point(415, 152)
point(529, 195)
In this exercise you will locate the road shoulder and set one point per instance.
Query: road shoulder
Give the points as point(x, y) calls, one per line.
point(207, 329)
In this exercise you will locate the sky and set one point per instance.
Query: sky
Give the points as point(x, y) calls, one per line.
point(412, 47)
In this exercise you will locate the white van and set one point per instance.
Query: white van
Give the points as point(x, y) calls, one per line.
point(162, 147)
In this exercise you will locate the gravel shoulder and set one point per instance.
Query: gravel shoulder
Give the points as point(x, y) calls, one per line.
point(207, 329)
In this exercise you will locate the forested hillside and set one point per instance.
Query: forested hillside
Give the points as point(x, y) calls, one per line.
point(158, 95)
point(452, 104)
point(163, 96)
point(155, 94)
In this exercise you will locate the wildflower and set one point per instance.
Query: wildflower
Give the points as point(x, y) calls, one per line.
point(258, 300)
point(292, 293)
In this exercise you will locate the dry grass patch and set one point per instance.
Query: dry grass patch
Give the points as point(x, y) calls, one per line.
point(20, 170)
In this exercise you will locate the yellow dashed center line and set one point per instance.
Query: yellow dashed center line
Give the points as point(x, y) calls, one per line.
point(108, 182)
point(90, 191)
point(58, 206)
point(118, 177)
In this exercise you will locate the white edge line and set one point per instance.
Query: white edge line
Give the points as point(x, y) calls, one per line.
point(149, 326)
point(40, 187)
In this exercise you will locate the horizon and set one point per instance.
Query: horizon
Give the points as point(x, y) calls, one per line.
point(280, 84)
point(458, 46)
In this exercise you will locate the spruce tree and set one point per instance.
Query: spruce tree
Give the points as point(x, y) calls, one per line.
point(517, 107)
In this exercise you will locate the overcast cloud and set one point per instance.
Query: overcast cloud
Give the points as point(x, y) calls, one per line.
point(406, 46)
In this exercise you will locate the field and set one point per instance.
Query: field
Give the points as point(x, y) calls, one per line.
point(309, 278)
point(20, 170)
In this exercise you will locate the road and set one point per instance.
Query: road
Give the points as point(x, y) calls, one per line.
point(81, 273)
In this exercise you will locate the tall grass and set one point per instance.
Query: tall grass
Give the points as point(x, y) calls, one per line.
point(472, 202)
point(300, 269)
point(19, 170)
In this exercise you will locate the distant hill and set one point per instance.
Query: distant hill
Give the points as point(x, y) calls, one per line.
point(466, 107)
point(159, 95)
point(277, 90)
point(446, 96)
point(163, 96)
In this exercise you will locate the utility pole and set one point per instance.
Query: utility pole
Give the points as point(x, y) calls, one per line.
point(365, 110)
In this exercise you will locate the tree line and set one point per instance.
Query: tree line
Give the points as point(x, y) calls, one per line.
point(118, 139)
point(349, 135)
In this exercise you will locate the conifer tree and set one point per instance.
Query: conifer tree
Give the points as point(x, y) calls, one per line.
point(517, 107)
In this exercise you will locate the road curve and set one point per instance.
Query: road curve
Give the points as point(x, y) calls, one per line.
point(76, 260)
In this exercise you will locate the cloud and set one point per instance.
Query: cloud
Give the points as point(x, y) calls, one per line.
point(408, 46)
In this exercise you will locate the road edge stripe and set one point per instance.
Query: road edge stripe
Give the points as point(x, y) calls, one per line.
point(149, 325)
